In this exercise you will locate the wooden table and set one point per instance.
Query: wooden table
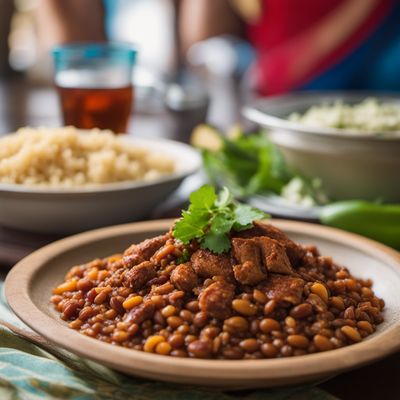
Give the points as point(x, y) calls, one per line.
point(22, 105)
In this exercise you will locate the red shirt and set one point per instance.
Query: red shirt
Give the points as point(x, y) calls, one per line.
point(296, 40)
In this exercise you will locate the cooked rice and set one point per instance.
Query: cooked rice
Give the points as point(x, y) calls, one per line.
point(67, 157)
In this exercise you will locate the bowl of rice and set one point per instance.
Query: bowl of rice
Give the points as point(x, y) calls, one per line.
point(64, 180)
point(350, 140)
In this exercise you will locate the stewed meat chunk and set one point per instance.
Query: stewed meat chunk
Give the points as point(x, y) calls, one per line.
point(284, 288)
point(140, 252)
point(216, 300)
point(184, 278)
point(207, 264)
point(294, 251)
point(139, 275)
point(250, 269)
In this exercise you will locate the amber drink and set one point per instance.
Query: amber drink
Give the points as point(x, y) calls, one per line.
point(94, 85)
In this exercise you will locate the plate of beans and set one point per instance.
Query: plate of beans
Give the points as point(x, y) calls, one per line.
point(289, 302)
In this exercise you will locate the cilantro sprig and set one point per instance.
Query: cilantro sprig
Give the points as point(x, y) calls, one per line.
point(210, 218)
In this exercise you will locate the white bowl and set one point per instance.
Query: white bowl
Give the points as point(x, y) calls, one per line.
point(351, 165)
point(50, 210)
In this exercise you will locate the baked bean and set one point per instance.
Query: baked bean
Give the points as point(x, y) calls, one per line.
point(164, 289)
point(322, 343)
point(163, 348)
point(84, 284)
point(286, 350)
point(70, 310)
point(92, 274)
point(74, 272)
point(342, 274)
point(75, 324)
point(337, 343)
point(174, 321)
point(183, 329)
point(278, 343)
point(190, 339)
point(101, 297)
point(320, 290)
point(233, 353)
point(254, 326)
point(351, 333)
point(303, 310)
point(216, 345)
point(349, 313)
point(259, 296)
point(269, 324)
point(249, 345)
point(237, 324)
point(367, 292)
point(133, 329)
point(199, 349)
point(269, 350)
point(178, 353)
point(290, 322)
point(298, 341)
point(168, 311)
point(317, 302)
point(200, 319)
point(244, 307)
point(193, 306)
point(186, 315)
point(176, 340)
point(158, 301)
point(85, 313)
point(210, 332)
point(326, 332)
point(152, 342)
point(66, 287)
point(116, 304)
point(131, 302)
point(110, 314)
point(56, 299)
point(120, 336)
point(337, 302)
point(366, 326)
point(269, 307)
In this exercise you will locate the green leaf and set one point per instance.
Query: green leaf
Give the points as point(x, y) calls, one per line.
point(218, 243)
point(203, 198)
point(222, 223)
point(212, 222)
point(191, 226)
point(245, 215)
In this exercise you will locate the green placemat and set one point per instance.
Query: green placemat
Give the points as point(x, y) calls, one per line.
point(28, 372)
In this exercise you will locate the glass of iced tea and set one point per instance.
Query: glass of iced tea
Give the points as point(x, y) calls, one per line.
point(94, 82)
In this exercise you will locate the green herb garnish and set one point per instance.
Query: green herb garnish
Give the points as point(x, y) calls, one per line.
point(210, 219)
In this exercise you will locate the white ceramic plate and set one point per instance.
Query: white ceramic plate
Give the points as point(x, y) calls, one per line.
point(50, 210)
point(29, 286)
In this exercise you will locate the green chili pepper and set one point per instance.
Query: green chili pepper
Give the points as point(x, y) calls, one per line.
point(377, 221)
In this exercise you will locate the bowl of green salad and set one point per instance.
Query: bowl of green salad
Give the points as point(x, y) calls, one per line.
point(350, 142)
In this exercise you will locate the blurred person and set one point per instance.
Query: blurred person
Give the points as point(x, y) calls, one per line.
point(305, 44)
point(148, 24)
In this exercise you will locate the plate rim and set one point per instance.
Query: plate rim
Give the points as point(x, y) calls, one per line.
point(18, 285)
